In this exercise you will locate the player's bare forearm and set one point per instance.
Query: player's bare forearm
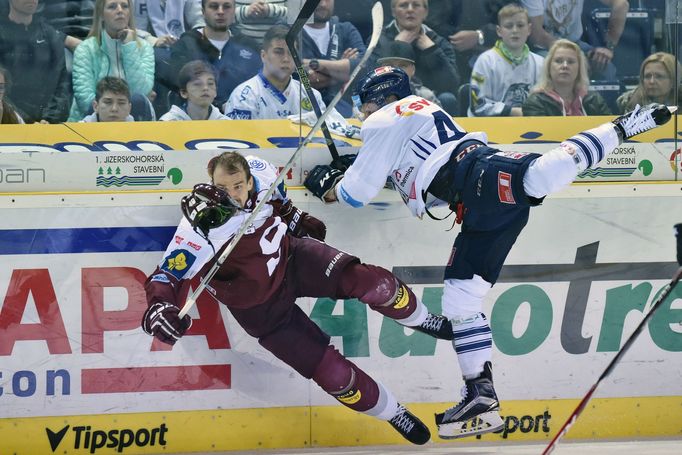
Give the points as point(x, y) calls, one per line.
point(339, 70)
point(619, 11)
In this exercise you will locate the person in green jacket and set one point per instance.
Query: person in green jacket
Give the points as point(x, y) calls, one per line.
point(111, 49)
point(564, 87)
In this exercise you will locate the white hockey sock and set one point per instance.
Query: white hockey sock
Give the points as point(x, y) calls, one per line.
point(473, 344)
point(590, 147)
point(417, 317)
point(551, 172)
point(463, 305)
point(386, 406)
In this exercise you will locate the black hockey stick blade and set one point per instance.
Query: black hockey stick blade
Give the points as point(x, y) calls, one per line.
point(609, 368)
point(306, 11)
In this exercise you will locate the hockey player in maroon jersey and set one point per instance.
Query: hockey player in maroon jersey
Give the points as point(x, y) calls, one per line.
point(281, 257)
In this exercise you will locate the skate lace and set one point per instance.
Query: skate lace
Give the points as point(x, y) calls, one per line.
point(402, 421)
point(465, 393)
point(638, 121)
point(432, 322)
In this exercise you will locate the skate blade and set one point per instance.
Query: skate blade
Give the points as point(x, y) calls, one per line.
point(672, 109)
point(482, 423)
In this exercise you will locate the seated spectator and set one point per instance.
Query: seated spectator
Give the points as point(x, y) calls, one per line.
point(274, 94)
point(503, 76)
point(8, 115)
point(198, 89)
point(563, 87)
point(551, 20)
point(165, 20)
point(356, 12)
point(436, 64)
point(161, 23)
point(233, 56)
point(656, 83)
point(470, 26)
point(112, 101)
point(113, 49)
point(33, 52)
point(255, 17)
point(331, 51)
point(401, 55)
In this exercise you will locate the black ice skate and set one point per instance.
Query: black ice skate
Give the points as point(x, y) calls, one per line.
point(437, 326)
point(409, 425)
point(477, 413)
point(642, 119)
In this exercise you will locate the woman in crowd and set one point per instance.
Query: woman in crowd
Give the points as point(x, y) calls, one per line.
point(656, 83)
point(8, 115)
point(563, 87)
point(112, 49)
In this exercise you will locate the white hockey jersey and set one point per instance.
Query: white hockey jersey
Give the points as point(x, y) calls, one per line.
point(497, 84)
point(406, 141)
point(257, 98)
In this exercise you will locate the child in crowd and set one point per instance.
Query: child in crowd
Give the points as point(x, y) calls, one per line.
point(503, 76)
point(198, 89)
point(112, 101)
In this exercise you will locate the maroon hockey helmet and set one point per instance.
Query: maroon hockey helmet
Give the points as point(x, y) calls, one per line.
point(208, 207)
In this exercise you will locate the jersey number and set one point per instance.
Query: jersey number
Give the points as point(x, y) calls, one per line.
point(270, 247)
point(445, 126)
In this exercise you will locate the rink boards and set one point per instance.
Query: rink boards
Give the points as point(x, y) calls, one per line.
point(80, 231)
point(78, 372)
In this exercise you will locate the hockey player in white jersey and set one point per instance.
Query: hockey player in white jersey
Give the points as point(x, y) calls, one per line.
point(274, 94)
point(431, 160)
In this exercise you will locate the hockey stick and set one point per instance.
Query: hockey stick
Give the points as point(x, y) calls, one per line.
point(306, 11)
point(377, 25)
point(583, 403)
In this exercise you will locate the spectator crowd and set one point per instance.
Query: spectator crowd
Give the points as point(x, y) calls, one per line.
point(143, 60)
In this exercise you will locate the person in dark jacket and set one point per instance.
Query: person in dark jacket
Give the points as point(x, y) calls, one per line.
point(234, 57)
point(470, 26)
point(33, 52)
point(331, 50)
point(435, 57)
point(564, 87)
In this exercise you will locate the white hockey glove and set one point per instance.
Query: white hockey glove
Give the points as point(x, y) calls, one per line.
point(335, 122)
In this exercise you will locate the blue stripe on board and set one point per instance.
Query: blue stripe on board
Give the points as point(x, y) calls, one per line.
point(85, 240)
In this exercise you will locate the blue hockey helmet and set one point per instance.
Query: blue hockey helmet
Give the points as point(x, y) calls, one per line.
point(380, 83)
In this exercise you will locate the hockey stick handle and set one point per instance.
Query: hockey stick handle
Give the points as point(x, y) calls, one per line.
point(377, 24)
point(678, 234)
point(303, 16)
point(626, 346)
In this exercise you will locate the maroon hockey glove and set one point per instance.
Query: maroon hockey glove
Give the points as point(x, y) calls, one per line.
point(300, 223)
point(162, 321)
